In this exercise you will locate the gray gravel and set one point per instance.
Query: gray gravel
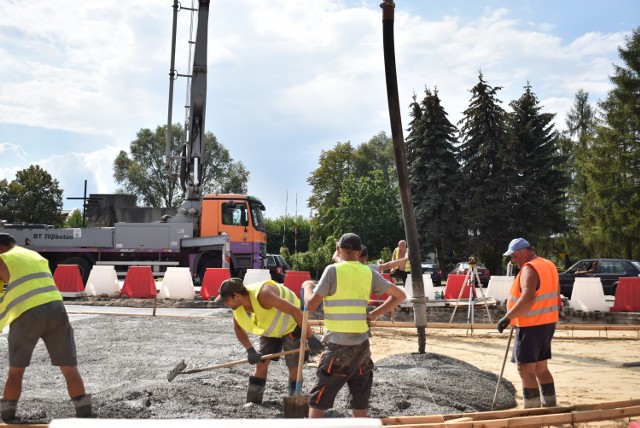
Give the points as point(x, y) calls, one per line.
point(125, 361)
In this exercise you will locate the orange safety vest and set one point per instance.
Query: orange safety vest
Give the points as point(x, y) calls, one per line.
point(545, 306)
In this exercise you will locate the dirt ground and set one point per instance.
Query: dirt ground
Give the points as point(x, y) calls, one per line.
point(125, 361)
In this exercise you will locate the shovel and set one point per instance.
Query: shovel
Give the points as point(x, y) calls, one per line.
point(179, 369)
point(297, 405)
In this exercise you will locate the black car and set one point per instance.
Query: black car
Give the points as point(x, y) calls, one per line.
point(434, 270)
point(277, 266)
point(608, 270)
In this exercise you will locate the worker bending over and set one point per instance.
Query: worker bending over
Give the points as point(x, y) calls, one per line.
point(344, 291)
point(32, 307)
point(533, 308)
point(271, 311)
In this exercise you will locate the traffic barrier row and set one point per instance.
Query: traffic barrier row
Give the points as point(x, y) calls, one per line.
point(139, 282)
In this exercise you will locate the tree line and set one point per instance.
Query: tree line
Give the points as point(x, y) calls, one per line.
point(494, 176)
point(477, 184)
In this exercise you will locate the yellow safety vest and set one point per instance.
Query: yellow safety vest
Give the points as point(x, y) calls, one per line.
point(31, 284)
point(545, 306)
point(396, 256)
point(346, 310)
point(266, 322)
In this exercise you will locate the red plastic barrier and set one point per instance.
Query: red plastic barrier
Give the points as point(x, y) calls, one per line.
point(213, 277)
point(68, 279)
point(452, 289)
point(627, 295)
point(378, 299)
point(293, 280)
point(139, 283)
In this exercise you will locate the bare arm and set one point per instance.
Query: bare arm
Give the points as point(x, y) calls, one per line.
point(311, 299)
point(269, 298)
point(392, 264)
point(242, 335)
point(336, 257)
point(528, 284)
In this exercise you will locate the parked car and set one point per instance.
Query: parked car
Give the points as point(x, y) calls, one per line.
point(277, 266)
point(463, 267)
point(435, 271)
point(608, 270)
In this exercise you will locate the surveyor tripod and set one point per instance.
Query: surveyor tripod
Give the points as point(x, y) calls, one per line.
point(471, 280)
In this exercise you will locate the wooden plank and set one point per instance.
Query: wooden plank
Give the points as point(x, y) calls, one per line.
point(509, 413)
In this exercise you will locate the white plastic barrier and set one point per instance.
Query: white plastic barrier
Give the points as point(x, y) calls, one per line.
point(177, 284)
point(256, 275)
point(103, 279)
point(218, 423)
point(588, 296)
point(499, 287)
point(429, 291)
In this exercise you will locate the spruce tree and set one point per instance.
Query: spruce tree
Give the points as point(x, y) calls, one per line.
point(433, 174)
point(487, 173)
point(612, 174)
point(539, 197)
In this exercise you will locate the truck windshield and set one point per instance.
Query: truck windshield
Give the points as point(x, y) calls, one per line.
point(256, 215)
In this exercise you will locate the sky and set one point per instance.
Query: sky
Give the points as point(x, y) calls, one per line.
point(286, 79)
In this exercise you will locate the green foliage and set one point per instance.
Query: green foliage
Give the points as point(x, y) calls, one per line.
point(142, 172)
point(74, 219)
point(539, 187)
point(368, 207)
point(296, 232)
point(33, 197)
point(314, 261)
point(487, 170)
point(434, 176)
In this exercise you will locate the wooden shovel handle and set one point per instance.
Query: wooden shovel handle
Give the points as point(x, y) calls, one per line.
point(303, 343)
point(234, 363)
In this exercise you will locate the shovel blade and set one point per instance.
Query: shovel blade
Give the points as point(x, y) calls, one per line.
point(296, 406)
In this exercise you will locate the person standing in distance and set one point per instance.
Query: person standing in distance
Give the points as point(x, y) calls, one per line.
point(344, 291)
point(532, 308)
point(271, 311)
point(403, 268)
point(32, 307)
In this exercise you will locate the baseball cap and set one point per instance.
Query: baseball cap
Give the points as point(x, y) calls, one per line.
point(515, 245)
point(228, 287)
point(6, 239)
point(350, 241)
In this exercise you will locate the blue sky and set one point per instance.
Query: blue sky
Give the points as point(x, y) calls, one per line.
point(287, 79)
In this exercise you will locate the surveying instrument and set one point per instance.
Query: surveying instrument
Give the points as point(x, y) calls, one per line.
point(471, 280)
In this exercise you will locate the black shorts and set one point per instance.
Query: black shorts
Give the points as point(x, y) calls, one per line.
point(400, 274)
point(49, 322)
point(533, 344)
point(273, 345)
point(340, 365)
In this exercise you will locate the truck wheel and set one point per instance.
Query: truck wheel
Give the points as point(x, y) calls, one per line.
point(83, 265)
point(207, 265)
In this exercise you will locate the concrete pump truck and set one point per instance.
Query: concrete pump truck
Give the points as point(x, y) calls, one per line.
point(212, 230)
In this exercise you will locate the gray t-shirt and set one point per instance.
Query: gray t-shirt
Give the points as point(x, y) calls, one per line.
point(327, 287)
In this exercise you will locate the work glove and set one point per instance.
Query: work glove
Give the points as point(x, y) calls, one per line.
point(253, 356)
point(315, 345)
point(503, 323)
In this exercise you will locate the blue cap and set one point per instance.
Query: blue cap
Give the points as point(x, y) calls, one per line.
point(515, 245)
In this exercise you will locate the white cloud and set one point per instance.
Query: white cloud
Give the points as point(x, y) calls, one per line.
point(286, 78)
point(7, 149)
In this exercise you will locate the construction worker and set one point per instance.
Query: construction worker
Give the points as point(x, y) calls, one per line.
point(532, 308)
point(33, 308)
point(344, 290)
point(271, 311)
point(404, 268)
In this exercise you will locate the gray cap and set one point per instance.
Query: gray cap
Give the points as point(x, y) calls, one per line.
point(350, 241)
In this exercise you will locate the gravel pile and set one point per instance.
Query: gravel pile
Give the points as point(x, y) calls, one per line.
point(125, 361)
